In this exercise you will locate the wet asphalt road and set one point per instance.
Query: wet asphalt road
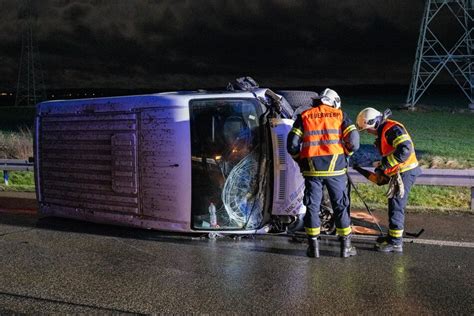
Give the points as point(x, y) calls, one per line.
point(63, 266)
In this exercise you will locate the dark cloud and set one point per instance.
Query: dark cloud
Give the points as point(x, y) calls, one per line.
point(193, 43)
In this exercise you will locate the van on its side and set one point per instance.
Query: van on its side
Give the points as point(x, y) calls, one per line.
point(189, 161)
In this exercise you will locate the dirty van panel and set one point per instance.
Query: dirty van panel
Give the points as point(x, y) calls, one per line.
point(89, 162)
point(165, 175)
point(288, 182)
point(225, 153)
point(124, 163)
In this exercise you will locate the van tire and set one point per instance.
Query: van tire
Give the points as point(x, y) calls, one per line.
point(298, 98)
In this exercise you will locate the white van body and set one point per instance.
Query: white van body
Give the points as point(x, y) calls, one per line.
point(166, 161)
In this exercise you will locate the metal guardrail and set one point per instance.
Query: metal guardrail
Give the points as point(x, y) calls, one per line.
point(441, 177)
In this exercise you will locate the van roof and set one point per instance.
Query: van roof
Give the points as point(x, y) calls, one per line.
point(126, 103)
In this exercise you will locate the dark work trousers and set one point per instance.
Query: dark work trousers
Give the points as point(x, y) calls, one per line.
point(396, 206)
point(313, 193)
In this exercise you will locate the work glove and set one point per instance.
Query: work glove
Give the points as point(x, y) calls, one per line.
point(379, 168)
point(378, 178)
point(396, 188)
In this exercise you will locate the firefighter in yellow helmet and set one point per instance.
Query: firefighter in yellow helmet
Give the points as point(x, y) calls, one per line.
point(399, 168)
point(321, 139)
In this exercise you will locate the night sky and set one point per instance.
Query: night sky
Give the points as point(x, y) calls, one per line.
point(177, 44)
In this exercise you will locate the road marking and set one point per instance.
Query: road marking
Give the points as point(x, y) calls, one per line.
point(461, 244)
point(432, 242)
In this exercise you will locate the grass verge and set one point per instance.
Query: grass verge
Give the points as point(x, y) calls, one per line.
point(19, 181)
point(422, 198)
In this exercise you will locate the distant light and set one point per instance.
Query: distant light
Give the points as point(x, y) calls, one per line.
point(3, 93)
point(218, 157)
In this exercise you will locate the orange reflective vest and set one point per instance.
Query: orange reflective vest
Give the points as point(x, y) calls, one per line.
point(387, 151)
point(322, 132)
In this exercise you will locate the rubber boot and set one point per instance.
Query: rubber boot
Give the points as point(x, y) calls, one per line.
point(347, 250)
point(313, 247)
point(389, 245)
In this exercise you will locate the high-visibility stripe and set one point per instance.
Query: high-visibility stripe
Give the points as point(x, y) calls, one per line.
point(323, 136)
point(397, 233)
point(402, 169)
point(343, 231)
point(391, 160)
point(409, 167)
point(348, 129)
point(296, 131)
point(322, 142)
point(333, 162)
point(347, 152)
point(322, 132)
point(296, 155)
point(312, 231)
point(400, 139)
point(324, 173)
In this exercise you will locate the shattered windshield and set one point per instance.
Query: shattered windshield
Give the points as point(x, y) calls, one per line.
point(225, 145)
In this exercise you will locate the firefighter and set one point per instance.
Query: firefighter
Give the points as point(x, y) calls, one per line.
point(398, 165)
point(321, 140)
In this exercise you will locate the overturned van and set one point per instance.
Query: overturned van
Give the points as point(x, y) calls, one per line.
point(182, 161)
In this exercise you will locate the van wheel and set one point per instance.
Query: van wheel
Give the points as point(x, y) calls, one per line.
point(298, 99)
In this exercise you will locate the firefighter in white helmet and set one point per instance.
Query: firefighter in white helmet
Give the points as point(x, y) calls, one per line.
point(331, 98)
point(320, 140)
point(398, 165)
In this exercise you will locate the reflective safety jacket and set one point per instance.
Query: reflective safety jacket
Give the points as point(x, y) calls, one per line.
point(396, 147)
point(320, 140)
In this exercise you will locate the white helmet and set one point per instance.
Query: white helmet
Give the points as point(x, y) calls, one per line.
point(368, 118)
point(331, 98)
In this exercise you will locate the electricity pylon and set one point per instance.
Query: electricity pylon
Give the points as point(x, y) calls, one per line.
point(30, 87)
point(432, 55)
